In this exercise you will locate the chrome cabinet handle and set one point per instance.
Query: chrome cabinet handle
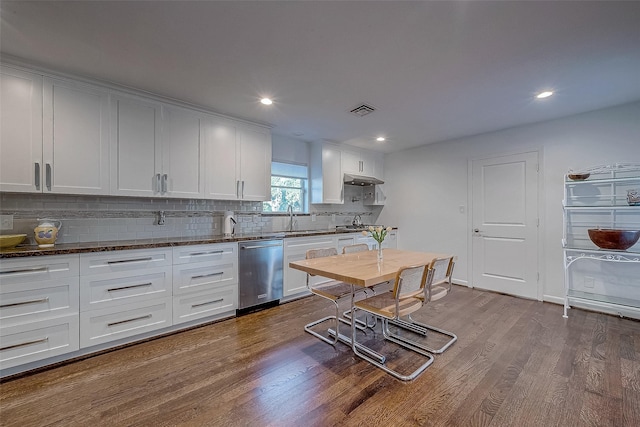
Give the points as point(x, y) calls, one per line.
point(148, 316)
point(157, 188)
point(24, 344)
point(35, 301)
point(25, 270)
point(48, 176)
point(218, 273)
point(206, 303)
point(124, 261)
point(205, 253)
point(242, 193)
point(238, 189)
point(164, 183)
point(129, 287)
point(37, 173)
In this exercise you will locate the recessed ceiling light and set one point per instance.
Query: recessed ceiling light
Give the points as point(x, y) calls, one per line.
point(545, 94)
point(380, 138)
point(266, 101)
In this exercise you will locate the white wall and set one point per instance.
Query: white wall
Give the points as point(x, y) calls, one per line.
point(427, 185)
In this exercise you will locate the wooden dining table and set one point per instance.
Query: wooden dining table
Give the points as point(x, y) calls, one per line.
point(365, 270)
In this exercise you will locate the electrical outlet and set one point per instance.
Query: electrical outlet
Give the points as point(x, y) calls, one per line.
point(6, 222)
point(589, 282)
point(313, 217)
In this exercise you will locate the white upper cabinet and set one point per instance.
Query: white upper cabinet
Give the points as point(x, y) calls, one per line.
point(238, 165)
point(182, 160)
point(362, 162)
point(75, 138)
point(134, 137)
point(255, 163)
point(351, 162)
point(326, 174)
point(59, 135)
point(55, 135)
point(155, 150)
point(20, 131)
point(220, 137)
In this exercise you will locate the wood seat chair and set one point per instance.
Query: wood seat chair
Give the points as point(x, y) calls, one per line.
point(403, 300)
point(438, 286)
point(332, 290)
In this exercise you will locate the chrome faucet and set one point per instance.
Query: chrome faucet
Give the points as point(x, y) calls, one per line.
point(290, 212)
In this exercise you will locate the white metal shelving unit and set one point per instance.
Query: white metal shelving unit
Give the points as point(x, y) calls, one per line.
point(600, 201)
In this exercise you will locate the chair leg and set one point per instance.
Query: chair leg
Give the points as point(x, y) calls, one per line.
point(386, 368)
point(359, 325)
point(412, 327)
point(308, 329)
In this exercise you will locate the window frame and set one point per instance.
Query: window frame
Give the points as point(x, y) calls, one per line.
point(304, 188)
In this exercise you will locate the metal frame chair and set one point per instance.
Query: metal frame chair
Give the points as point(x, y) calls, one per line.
point(333, 291)
point(403, 300)
point(436, 288)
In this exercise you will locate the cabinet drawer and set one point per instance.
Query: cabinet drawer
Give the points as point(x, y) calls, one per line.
point(104, 325)
point(31, 269)
point(121, 261)
point(38, 340)
point(218, 253)
point(28, 302)
point(115, 289)
point(203, 276)
point(300, 245)
point(203, 304)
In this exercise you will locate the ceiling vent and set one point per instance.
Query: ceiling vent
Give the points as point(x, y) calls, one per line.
point(363, 110)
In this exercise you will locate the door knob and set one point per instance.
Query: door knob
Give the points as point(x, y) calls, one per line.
point(476, 230)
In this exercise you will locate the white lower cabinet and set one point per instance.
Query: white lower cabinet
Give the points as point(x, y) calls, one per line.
point(345, 240)
point(368, 240)
point(109, 324)
point(295, 249)
point(33, 341)
point(391, 241)
point(124, 293)
point(205, 281)
point(38, 308)
point(196, 305)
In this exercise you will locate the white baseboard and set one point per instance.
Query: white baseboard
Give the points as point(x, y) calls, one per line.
point(551, 298)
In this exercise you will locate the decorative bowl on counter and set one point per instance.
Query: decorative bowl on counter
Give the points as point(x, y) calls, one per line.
point(607, 238)
point(11, 240)
point(578, 176)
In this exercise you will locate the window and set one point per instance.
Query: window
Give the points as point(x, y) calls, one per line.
point(289, 186)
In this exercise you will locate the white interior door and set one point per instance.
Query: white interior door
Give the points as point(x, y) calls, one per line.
point(505, 224)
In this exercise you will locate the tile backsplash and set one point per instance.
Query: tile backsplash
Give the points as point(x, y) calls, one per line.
point(108, 218)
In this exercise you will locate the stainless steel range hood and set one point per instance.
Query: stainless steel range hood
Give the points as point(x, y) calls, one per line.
point(361, 180)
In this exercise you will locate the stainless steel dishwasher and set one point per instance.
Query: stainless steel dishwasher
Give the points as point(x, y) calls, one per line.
point(259, 272)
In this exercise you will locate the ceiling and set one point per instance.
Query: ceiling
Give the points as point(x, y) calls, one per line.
point(434, 70)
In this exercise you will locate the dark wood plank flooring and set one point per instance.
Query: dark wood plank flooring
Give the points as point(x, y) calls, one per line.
point(516, 363)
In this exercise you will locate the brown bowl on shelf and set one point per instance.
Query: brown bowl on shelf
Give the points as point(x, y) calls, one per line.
point(578, 176)
point(607, 238)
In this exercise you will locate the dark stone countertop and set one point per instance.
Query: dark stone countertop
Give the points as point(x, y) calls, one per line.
point(120, 245)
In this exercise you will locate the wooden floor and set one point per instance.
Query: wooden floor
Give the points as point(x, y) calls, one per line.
point(516, 363)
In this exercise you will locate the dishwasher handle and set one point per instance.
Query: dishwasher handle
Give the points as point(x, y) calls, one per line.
point(261, 246)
